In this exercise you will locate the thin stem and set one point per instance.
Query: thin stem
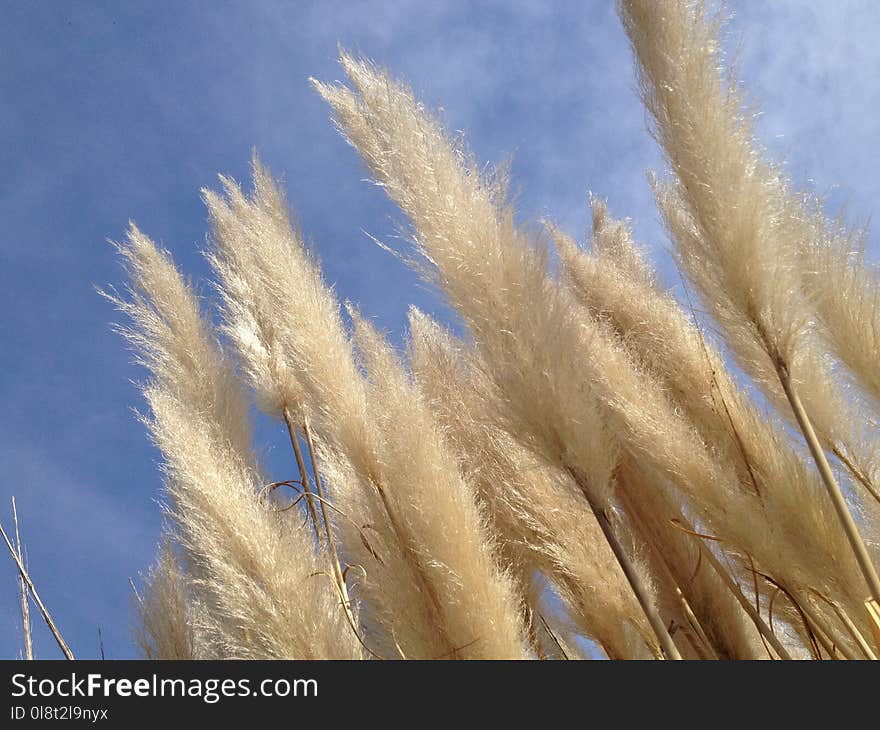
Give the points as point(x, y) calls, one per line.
point(856, 472)
point(812, 642)
point(638, 520)
point(837, 498)
point(552, 635)
point(532, 635)
point(873, 609)
point(22, 589)
point(304, 477)
point(823, 632)
point(331, 544)
point(636, 582)
point(30, 584)
point(707, 651)
point(638, 586)
point(732, 586)
point(851, 628)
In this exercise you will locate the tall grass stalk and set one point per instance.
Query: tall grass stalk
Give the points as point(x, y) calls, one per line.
point(22, 571)
point(23, 591)
point(859, 548)
point(304, 479)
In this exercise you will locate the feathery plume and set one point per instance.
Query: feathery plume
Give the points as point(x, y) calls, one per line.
point(400, 576)
point(660, 335)
point(844, 288)
point(542, 522)
point(476, 600)
point(253, 575)
point(165, 627)
point(494, 275)
point(737, 226)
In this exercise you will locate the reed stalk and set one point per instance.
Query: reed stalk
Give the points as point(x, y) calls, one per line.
point(704, 646)
point(873, 609)
point(328, 532)
point(857, 636)
point(633, 576)
point(25, 611)
point(732, 586)
point(303, 474)
point(836, 649)
point(860, 550)
point(22, 571)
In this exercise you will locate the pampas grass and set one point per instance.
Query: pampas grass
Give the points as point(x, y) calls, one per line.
point(534, 508)
point(460, 603)
point(738, 227)
point(493, 274)
point(252, 575)
point(580, 467)
point(775, 485)
point(165, 625)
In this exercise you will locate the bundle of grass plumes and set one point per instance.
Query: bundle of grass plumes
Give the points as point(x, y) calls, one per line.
point(580, 472)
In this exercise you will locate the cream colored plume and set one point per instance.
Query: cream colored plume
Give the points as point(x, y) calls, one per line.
point(617, 286)
point(476, 601)
point(573, 396)
point(165, 628)
point(542, 522)
point(490, 272)
point(496, 277)
point(422, 604)
point(253, 577)
point(741, 232)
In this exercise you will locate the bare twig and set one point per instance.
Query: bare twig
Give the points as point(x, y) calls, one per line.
point(30, 584)
point(300, 464)
point(22, 589)
point(765, 631)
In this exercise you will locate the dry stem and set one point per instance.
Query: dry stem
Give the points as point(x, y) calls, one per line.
point(30, 584)
point(873, 610)
point(837, 498)
point(331, 544)
point(732, 586)
point(22, 586)
point(304, 477)
point(632, 575)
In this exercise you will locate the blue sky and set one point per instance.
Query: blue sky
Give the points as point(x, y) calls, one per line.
point(113, 111)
